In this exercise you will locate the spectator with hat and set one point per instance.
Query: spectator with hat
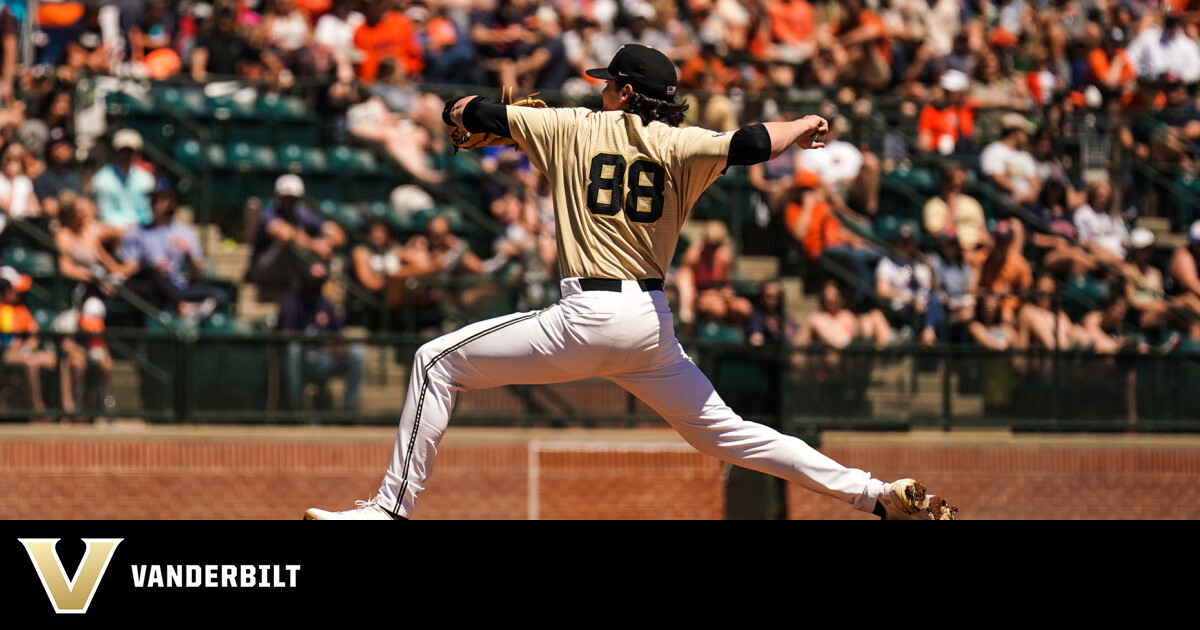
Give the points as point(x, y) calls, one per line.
point(122, 187)
point(288, 233)
point(1145, 290)
point(947, 121)
point(164, 262)
point(20, 347)
point(1008, 165)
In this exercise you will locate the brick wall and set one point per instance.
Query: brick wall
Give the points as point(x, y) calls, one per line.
point(157, 473)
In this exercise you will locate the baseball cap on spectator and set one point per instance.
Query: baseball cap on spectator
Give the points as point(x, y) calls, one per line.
point(127, 139)
point(649, 71)
point(954, 81)
point(1194, 233)
point(289, 185)
point(1141, 238)
point(806, 178)
point(18, 280)
point(91, 315)
point(1014, 121)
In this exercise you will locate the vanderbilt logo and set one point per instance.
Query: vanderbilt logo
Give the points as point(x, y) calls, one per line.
point(72, 595)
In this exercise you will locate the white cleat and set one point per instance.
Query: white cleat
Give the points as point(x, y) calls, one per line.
point(366, 511)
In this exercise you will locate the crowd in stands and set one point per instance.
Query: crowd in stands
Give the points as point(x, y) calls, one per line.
point(1023, 245)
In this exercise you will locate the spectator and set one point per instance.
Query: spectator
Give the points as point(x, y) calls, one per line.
point(386, 33)
point(306, 312)
point(1100, 224)
point(547, 66)
point(1163, 48)
point(995, 87)
point(1144, 289)
point(90, 349)
point(1041, 321)
point(154, 31)
point(860, 48)
point(386, 268)
point(449, 55)
point(83, 244)
point(1057, 238)
point(947, 122)
point(405, 135)
point(1053, 166)
point(770, 324)
point(793, 29)
point(1173, 136)
point(1184, 272)
point(9, 50)
point(955, 213)
point(17, 199)
point(704, 280)
point(223, 50)
point(334, 31)
point(164, 262)
point(287, 235)
point(122, 187)
point(61, 173)
point(810, 219)
point(835, 325)
point(288, 36)
point(850, 173)
point(960, 56)
point(990, 329)
point(454, 260)
point(20, 348)
point(905, 281)
point(1006, 272)
point(955, 278)
point(1006, 163)
point(1111, 71)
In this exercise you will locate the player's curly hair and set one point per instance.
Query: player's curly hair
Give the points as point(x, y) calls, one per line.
point(652, 109)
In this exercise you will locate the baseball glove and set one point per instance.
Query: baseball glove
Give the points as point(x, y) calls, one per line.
point(463, 139)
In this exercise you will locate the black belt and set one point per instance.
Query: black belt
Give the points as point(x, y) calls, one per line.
point(609, 284)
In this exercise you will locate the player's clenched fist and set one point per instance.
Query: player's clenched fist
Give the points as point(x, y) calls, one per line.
point(812, 134)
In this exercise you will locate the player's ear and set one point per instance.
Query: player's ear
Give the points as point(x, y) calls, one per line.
point(626, 92)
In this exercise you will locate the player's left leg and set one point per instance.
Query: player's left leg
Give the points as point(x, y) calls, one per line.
point(683, 395)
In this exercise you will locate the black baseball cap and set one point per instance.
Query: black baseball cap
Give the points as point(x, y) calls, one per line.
point(649, 71)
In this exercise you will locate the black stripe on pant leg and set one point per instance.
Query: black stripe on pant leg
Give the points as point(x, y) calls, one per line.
point(412, 440)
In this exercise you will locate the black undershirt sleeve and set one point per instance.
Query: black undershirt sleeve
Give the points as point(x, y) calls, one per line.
point(481, 115)
point(750, 145)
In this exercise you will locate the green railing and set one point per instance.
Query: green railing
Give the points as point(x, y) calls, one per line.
point(242, 377)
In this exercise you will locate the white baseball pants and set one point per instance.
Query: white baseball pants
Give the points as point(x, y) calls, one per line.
point(626, 337)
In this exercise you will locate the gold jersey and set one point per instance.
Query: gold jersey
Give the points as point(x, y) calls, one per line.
point(622, 190)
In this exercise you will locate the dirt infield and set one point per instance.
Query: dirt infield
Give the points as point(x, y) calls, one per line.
point(133, 471)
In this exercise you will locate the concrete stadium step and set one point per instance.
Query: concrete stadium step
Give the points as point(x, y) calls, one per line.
point(757, 269)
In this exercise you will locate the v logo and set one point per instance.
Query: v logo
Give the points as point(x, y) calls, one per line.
point(71, 596)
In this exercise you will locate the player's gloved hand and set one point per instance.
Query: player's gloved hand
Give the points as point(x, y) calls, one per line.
point(463, 139)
